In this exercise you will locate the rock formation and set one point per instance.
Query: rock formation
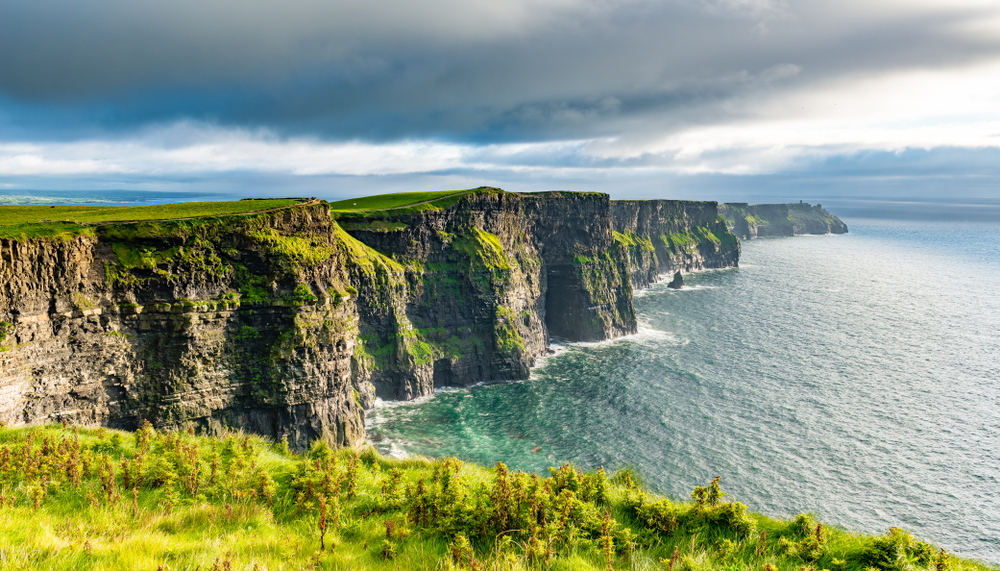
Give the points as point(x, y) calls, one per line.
point(759, 220)
point(677, 282)
point(661, 237)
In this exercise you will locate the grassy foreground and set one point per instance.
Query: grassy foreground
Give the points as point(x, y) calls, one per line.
point(104, 499)
point(50, 221)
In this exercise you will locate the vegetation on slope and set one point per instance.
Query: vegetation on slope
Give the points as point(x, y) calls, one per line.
point(20, 222)
point(103, 499)
point(395, 200)
point(400, 205)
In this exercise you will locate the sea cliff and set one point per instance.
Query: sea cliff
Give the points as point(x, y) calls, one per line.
point(667, 236)
point(759, 220)
point(293, 321)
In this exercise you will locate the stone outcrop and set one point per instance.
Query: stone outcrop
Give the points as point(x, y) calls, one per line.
point(677, 282)
point(759, 220)
point(662, 237)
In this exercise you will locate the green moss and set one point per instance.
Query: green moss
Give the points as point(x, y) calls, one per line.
point(633, 241)
point(118, 334)
point(115, 276)
point(137, 257)
point(302, 248)
point(363, 257)
point(483, 249)
point(246, 332)
point(506, 335)
point(692, 239)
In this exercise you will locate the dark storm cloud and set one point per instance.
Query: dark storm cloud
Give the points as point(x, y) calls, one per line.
point(451, 69)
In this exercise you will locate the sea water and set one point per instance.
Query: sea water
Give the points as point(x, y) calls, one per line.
point(856, 377)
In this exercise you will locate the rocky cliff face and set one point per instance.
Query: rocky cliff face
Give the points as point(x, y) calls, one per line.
point(216, 322)
point(291, 322)
point(667, 236)
point(752, 221)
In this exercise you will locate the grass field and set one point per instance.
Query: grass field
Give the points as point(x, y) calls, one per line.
point(397, 200)
point(103, 499)
point(42, 221)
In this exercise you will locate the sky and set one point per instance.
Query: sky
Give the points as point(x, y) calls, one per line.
point(704, 99)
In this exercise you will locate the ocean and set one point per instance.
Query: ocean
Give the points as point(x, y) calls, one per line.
point(856, 377)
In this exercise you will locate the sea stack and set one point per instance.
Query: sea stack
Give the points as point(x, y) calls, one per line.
point(677, 282)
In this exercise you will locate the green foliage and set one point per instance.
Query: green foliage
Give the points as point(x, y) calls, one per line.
point(104, 499)
point(302, 294)
point(698, 238)
point(897, 550)
point(708, 496)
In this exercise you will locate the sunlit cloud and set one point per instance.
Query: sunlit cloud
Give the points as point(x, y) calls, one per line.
point(562, 90)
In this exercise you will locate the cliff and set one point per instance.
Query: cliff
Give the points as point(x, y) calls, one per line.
point(235, 321)
point(293, 321)
point(753, 221)
point(666, 236)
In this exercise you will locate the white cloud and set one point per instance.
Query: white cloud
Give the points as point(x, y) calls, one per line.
point(927, 109)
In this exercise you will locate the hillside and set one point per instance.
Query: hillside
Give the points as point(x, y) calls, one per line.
point(102, 499)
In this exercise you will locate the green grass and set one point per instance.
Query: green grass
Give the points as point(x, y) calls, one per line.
point(392, 201)
point(104, 499)
point(21, 222)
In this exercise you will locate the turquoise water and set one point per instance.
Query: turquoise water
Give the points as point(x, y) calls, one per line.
point(856, 377)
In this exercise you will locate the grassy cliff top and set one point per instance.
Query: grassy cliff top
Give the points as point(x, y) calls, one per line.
point(395, 200)
point(401, 204)
point(104, 499)
point(21, 222)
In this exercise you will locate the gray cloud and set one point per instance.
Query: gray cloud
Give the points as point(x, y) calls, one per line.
point(479, 71)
